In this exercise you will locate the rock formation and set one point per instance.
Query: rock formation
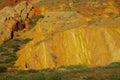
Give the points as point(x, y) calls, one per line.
point(67, 38)
point(80, 32)
point(12, 19)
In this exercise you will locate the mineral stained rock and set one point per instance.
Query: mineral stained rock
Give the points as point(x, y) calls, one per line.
point(64, 38)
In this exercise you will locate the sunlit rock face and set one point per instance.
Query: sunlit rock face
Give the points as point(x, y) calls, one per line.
point(65, 38)
point(13, 19)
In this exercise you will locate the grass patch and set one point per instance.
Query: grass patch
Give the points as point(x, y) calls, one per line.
point(73, 67)
point(116, 77)
point(27, 71)
point(77, 68)
point(87, 70)
point(28, 75)
point(36, 76)
point(47, 70)
point(56, 76)
point(113, 65)
point(86, 78)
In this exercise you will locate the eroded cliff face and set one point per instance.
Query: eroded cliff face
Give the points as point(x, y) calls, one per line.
point(69, 40)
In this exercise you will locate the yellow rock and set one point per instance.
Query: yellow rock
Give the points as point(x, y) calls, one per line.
point(60, 42)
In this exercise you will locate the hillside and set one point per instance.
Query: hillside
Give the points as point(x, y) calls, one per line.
point(75, 38)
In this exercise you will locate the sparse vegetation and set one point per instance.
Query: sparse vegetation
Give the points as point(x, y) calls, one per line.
point(2, 68)
point(8, 51)
point(56, 76)
point(116, 77)
point(34, 19)
point(86, 78)
point(37, 75)
point(113, 65)
point(74, 72)
point(74, 67)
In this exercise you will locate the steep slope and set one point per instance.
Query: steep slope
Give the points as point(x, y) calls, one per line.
point(68, 38)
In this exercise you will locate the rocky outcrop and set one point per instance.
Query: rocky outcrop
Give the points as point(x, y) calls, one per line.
point(12, 18)
point(34, 55)
point(4, 3)
point(63, 38)
point(23, 9)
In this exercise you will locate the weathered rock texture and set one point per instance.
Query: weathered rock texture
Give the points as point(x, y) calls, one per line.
point(4, 3)
point(12, 19)
point(64, 38)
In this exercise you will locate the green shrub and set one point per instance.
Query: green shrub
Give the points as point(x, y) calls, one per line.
point(34, 19)
point(26, 40)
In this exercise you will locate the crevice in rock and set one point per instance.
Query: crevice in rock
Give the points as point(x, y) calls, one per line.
point(19, 26)
point(12, 34)
point(26, 66)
